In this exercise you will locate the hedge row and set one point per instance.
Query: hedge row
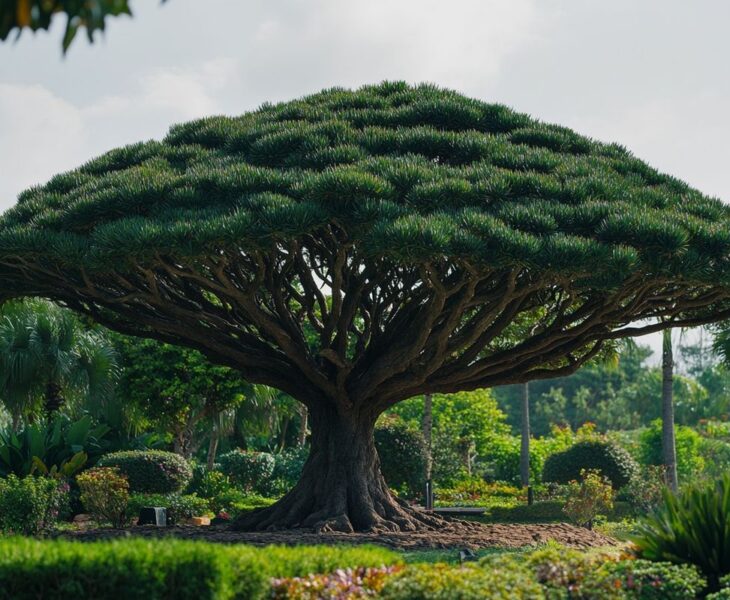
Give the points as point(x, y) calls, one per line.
point(162, 569)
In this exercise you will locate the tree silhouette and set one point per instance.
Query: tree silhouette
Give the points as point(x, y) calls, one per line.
point(357, 248)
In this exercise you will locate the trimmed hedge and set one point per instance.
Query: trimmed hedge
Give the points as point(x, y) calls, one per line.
point(162, 569)
point(547, 511)
point(608, 458)
point(30, 505)
point(151, 471)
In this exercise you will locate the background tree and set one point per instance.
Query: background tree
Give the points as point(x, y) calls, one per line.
point(525, 437)
point(669, 450)
point(48, 358)
point(434, 243)
point(177, 391)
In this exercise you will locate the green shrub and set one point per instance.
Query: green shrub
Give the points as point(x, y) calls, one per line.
point(402, 451)
point(360, 582)
point(162, 569)
point(691, 527)
point(288, 466)
point(63, 446)
point(105, 495)
point(30, 505)
point(644, 491)
point(547, 511)
point(442, 582)
point(687, 442)
point(477, 492)
point(179, 506)
point(568, 573)
point(591, 497)
point(210, 484)
point(249, 470)
point(604, 456)
point(235, 502)
point(646, 580)
point(151, 471)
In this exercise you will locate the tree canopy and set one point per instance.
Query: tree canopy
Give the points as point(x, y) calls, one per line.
point(438, 224)
point(357, 248)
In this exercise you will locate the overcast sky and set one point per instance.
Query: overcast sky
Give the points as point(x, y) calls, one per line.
point(653, 75)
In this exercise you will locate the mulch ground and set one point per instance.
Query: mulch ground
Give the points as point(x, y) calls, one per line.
point(456, 535)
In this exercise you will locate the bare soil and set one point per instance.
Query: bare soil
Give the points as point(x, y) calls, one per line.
point(457, 534)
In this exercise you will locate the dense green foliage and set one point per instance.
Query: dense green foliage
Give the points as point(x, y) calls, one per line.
point(162, 569)
point(604, 456)
point(179, 506)
point(31, 505)
point(390, 150)
point(250, 470)
point(568, 573)
point(49, 358)
point(467, 426)
point(105, 495)
point(417, 186)
point(175, 390)
point(549, 573)
point(62, 446)
point(402, 452)
point(151, 471)
point(441, 582)
point(688, 444)
point(691, 527)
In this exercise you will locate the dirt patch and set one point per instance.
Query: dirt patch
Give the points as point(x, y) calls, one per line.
point(455, 535)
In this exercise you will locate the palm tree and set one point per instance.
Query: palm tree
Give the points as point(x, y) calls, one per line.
point(48, 358)
point(669, 451)
point(525, 442)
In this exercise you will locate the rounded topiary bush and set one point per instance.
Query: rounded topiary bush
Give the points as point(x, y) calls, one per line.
point(608, 458)
point(151, 471)
point(402, 451)
point(249, 470)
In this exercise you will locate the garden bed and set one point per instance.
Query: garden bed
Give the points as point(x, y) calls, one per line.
point(456, 535)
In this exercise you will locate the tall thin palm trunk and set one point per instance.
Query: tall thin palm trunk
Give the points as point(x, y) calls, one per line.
point(525, 445)
point(213, 447)
point(427, 428)
point(669, 452)
point(304, 418)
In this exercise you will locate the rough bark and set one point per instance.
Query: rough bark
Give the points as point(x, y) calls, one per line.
point(669, 451)
point(341, 487)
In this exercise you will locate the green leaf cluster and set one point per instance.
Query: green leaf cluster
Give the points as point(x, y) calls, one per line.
point(411, 173)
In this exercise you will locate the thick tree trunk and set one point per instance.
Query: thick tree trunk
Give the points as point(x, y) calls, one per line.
point(525, 446)
point(668, 444)
point(341, 487)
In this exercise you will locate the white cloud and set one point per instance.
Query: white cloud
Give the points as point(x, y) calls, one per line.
point(321, 43)
point(41, 135)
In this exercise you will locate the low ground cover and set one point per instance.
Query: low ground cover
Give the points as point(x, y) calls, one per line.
point(183, 569)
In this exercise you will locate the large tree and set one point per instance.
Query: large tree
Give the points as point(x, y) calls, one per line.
point(433, 243)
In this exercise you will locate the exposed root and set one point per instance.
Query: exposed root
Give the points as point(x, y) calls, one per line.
point(294, 511)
